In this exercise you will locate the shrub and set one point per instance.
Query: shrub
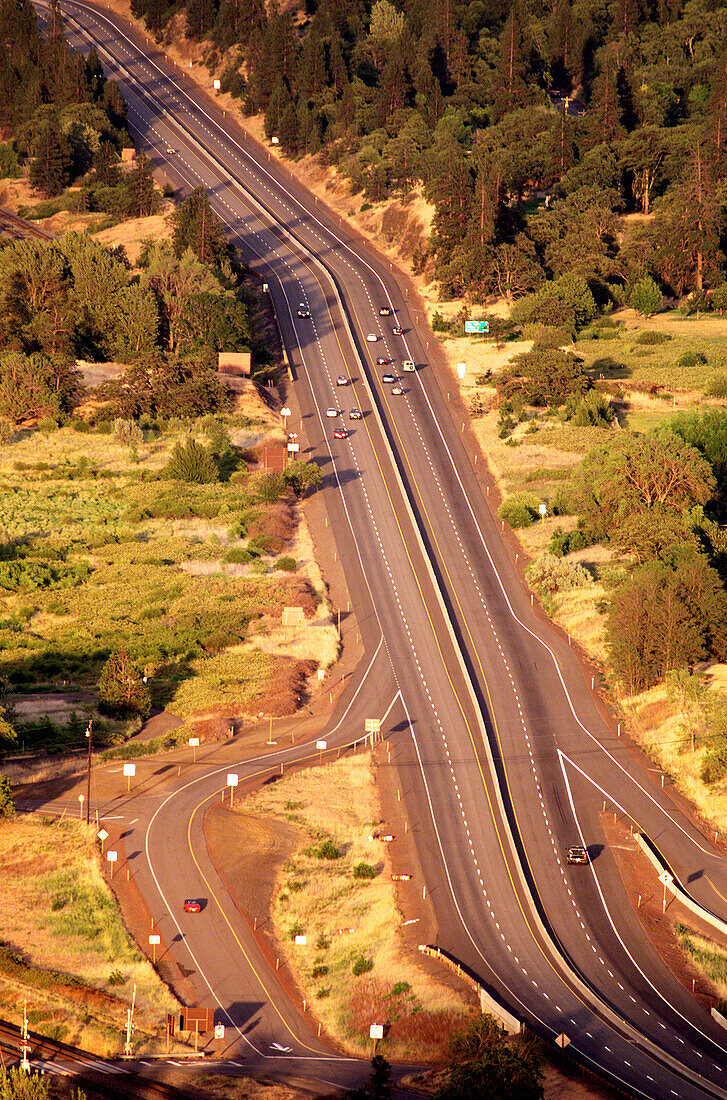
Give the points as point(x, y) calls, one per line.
point(567, 302)
point(327, 850)
point(7, 807)
point(562, 543)
point(520, 510)
point(286, 565)
point(692, 359)
point(364, 870)
point(717, 386)
point(719, 298)
point(6, 431)
point(714, 762)
point(236, 555)
point(116, 978)
point(362, 966)
point(550, 574)
point(646, 297)
point(192, 463)
point(128, 431)
point(652, 338)
point(319, 971)
point(554, 338)
point(259, 567)
point(296, 929)
point(593, 410)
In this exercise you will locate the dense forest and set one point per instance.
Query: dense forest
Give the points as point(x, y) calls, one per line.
point(57, 110)
point(608, 108)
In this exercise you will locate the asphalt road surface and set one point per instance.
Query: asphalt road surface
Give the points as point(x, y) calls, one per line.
point(503, 756)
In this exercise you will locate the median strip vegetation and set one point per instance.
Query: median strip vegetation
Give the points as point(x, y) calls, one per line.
point(353, 968)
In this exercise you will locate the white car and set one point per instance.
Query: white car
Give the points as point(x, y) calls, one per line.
point(342, 380)
point(303, 310)
point(331, 412)
point(397, 391)
point(372, 337)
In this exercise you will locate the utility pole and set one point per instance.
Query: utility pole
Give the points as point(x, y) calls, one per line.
point(89, 735)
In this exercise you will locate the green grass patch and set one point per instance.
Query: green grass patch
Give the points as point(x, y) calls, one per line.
point(707, 956)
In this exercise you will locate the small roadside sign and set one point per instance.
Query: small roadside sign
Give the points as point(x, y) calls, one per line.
point(376, 1031)
point(301, 941)
point(129, 769)
point(474, 327)
point(219, 1031)
point(562, 1040)
point(112, 856)
point(666, 878)
point(321, 745)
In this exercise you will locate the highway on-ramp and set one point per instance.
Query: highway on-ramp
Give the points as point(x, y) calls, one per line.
point(504, 757)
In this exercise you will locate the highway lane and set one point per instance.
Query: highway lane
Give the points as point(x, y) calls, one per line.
point(473, 795)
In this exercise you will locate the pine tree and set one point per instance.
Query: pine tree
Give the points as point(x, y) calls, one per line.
point(49, 168)
point(196, 226)
point(200, 17)
point(106, 164)
point(120, 688)
point(510, 88)
point(143, 198)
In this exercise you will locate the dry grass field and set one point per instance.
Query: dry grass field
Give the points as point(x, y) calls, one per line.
point(353, 969)
point(63, 946)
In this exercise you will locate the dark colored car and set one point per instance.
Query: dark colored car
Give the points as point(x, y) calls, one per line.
point(398, 330)
point(191, 905)
point(577, 854)
point(383, 360)
point(388, 378)
point(303, 310)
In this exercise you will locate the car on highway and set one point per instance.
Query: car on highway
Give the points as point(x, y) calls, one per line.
point(577, 854)
point(382, 360)
point(331, 412)
point(355, 414)
point(342, 380)
point(397, 330)
point(384, 312)
point(397, 391)
point(303, 310)
point(340, 433)
point(388, 378)
point(192, 905)
point(371, 337)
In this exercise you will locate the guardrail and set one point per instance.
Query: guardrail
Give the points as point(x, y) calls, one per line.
point(488, 1004)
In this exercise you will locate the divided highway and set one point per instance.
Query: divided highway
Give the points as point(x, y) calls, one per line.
point(503, 756)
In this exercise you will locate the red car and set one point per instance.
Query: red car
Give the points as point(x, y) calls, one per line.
point(382, 360)
point(340, 433)
point(191, 905)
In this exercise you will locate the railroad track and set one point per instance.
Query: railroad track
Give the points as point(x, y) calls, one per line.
point(20, 229)
point(107, 1079)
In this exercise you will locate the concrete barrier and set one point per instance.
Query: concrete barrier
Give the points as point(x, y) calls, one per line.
point(651, 853)
point(488, 1004)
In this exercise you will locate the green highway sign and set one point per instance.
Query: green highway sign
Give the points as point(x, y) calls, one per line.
point(472, 327)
